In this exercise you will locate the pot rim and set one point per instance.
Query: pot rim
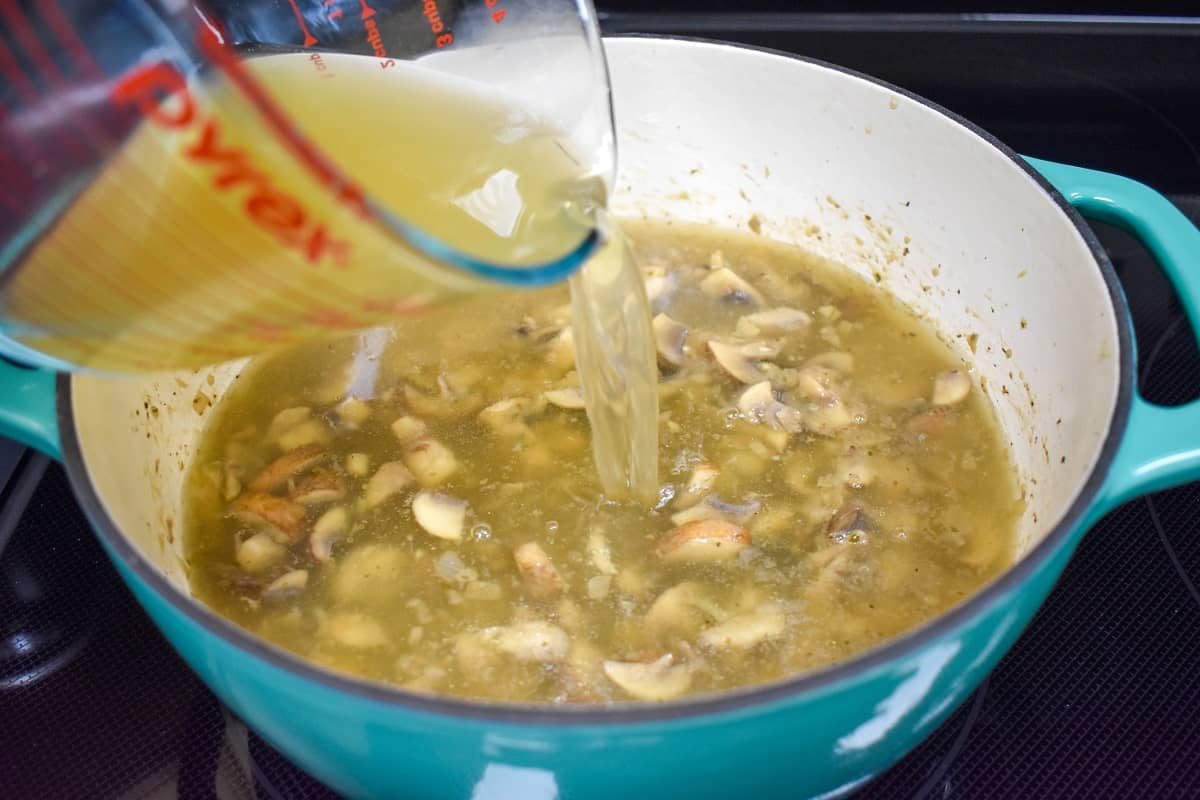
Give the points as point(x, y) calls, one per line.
point(730, 701)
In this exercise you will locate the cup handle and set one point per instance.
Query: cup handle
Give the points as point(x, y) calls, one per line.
point(27, 409)
point(1161, 446)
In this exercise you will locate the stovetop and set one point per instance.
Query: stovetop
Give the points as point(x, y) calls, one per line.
point(1099, 698)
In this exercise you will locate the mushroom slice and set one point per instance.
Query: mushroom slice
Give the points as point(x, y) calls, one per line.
point(353, 410)
point(507, 417)
point(358, 464)
point(950, 388)
point(560, 351)
point(311, 432)
point(703, 541)
point(846, 521)
point(287, 419)
point(439, 514)
point(409, 429)
point(538, 572)
point(601, 553)
point(736, 362)
point(856, 469)
point(754, 401)
point(669, 335)
point(287, 466)
point(391, 478)
point(326, 531)
point(658, 680)
point(704, 475)
point(258, 551)
point(815, 382)
point(570, 399)
point(828, 417)
point(778, 320)
point(933, 422)
point(356, 631)
point(725, 284)
point(684, 607)
point(323, 486)
point(660, 289)
point(759, 404)
point(743, 631)
point(716, 508)
point(286, 585)
point(278, 516)
point(529, 641)
point(430, 461)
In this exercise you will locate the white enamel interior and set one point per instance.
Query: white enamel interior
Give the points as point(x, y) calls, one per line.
point(827, 161)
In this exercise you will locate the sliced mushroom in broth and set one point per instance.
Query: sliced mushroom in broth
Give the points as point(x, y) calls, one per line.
point(830, 477)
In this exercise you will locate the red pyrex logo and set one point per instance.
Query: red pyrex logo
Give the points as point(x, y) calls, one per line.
point(161, 95)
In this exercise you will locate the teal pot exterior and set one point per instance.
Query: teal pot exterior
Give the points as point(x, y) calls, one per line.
point(817, 736)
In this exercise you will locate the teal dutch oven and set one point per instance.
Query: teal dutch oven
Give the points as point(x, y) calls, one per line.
point(989, 247)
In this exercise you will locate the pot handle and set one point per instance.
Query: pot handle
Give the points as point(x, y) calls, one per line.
point(27, 408)
point(1161, 446)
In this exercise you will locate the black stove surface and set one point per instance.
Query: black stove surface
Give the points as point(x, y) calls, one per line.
point(1099, 698)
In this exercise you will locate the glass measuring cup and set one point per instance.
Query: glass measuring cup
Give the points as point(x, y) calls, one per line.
point(186, 183)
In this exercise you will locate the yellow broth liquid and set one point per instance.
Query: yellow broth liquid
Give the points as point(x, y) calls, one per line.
point(882, 499)
point(205, 237)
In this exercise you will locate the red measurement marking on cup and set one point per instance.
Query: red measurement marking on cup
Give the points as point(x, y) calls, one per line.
point(375, 39)
point(309, 39)
point(266, 205)
point(444, 38)
point(498, 14)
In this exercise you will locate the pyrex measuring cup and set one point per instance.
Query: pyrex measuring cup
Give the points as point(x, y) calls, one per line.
point(188, 183)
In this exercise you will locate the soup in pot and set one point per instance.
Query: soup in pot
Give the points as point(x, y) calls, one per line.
point(419, 505)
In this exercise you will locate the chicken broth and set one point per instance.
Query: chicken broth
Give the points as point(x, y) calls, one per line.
point(419, 506)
